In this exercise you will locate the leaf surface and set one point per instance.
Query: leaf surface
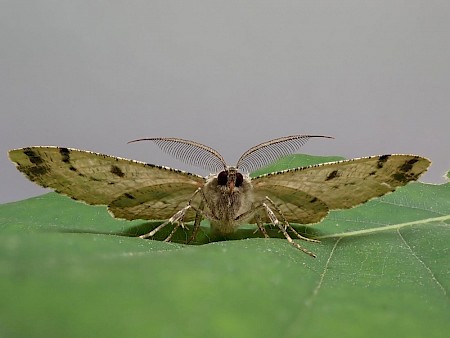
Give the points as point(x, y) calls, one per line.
point(383, 269)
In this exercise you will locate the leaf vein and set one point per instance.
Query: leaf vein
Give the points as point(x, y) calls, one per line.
point(412, 207)
point(386, 228)
point(427, 268)
point(316, 290)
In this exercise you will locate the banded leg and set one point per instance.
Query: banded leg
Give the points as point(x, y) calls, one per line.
point(174, 219)
point(287, 225)
point(177, 219)
point(281, 226)
point(198, 219)
point(261, 226)
point(175, 228)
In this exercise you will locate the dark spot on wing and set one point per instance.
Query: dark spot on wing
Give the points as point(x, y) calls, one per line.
point(382, 160)
point(39, 170)
point(131, 197)
point(405, 177)
point(65, 155)
point(34, 172)
point(33, 156)
point(72, 168)
point(117, 171)
point(95, 179)
point(372, 173)
point(332, 175)
point(400, 177)
point(314, 200)
point(408, 165)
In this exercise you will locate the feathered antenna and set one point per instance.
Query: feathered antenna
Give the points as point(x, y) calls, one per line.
point(190, 152)
point(270, 151)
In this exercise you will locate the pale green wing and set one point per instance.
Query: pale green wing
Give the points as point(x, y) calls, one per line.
point(296, 205)
point(345, 184)
point(101, 179)
point(158, 201)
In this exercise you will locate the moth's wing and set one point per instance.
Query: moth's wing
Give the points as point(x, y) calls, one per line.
point(345, 184)
point(296, 205)
point(100, 179)
point(159, 201)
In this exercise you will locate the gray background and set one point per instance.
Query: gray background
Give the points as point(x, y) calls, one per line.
point(230, 74)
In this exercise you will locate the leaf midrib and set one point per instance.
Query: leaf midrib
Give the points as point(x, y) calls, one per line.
point(385, 228)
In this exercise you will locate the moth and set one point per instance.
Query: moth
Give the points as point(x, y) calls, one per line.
point(228, 198)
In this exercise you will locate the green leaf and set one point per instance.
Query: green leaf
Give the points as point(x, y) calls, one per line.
point(383, 269)
point(295, 161)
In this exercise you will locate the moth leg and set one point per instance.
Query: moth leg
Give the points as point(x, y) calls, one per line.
point(208, 215)
point(174, 219)
point(287, 225)
point(259, 223)
point(180, 222)
point(201, 213)
point(198, 219)
point(281, 226)
point(200, 209)
point(175, 228)
point(261, 226)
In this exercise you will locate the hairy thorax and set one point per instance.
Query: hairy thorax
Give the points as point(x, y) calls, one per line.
point(227, 210)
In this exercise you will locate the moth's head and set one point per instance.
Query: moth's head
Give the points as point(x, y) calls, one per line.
point(229, 179)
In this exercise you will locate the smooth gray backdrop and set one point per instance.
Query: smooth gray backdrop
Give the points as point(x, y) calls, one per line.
point(95, 74)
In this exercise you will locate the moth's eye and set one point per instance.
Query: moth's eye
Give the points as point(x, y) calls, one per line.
point(239, 179)
point(222, 178)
